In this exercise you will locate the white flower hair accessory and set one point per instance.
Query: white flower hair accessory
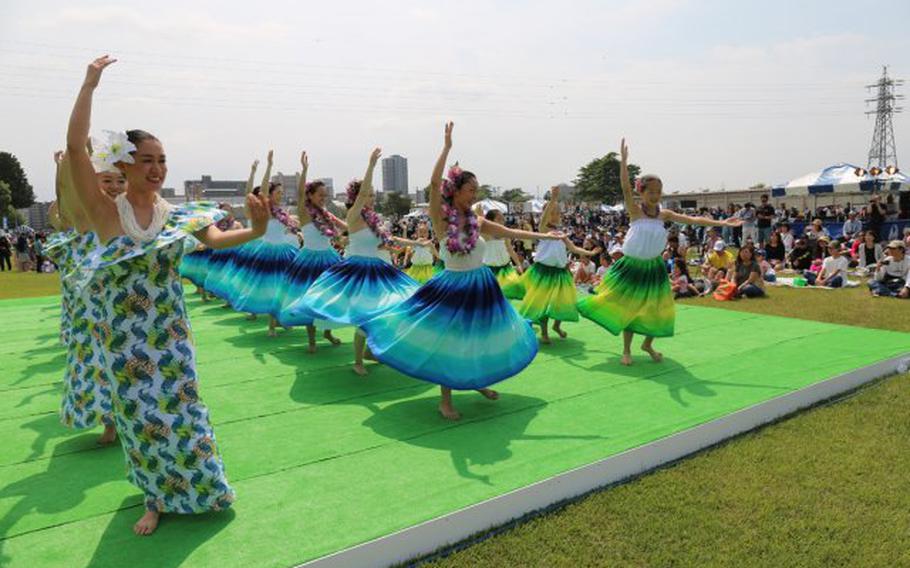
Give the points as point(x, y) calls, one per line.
point(117, 148)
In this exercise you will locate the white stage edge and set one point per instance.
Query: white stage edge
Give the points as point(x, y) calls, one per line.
point(432, 535)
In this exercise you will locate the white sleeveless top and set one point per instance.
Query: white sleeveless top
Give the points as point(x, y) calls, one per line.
point(313, 239)
point(365, 243)
point(647, 238)
point(464, 262)
point(496, 253)
point(421, 256)
point(552, 253)
point(276, 233)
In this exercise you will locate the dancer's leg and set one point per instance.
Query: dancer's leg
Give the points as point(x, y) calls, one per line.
point(627, 347)
point(647, 347)
point(544, 333)
point(445, 405)
point(311, 338)
point(359, 344)
point(557, 327)
point(331, 338)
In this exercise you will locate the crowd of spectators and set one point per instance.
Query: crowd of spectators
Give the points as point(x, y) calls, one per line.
point(24, 249)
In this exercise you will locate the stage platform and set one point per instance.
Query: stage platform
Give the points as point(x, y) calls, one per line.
point(338, 470)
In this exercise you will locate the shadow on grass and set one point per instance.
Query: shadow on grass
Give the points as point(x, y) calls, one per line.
point(177, 537)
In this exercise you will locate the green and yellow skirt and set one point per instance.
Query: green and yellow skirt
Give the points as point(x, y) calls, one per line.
point(422, 272)
point(509, 281)
point(634, 295)
point(549, 293)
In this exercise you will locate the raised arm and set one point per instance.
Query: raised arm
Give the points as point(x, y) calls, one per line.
point(101, 213)
point(513, 255)
point(435, 210)
point(668, 215)
point(498, 231)
point(252, 179)
point(366, 188)
point(302, 214)
point(571, 247)
point(627, 195)
point(552, 205)
point(258, 211)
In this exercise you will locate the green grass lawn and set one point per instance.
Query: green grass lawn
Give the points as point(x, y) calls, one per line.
point(28, 284)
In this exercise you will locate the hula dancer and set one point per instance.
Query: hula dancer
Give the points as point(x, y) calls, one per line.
point(458, 330)
point(499, 256)
point(635, 296)
point(548, 284)
point(422, 257)
point(319, 229)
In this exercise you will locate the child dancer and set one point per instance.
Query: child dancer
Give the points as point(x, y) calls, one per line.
point(423, 257)
point(458, 330)
point(634, 296)
point(499, 256)
point(548, 284)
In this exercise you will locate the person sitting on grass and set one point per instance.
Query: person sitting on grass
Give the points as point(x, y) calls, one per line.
point(833, 273)
point(786, 236)
point(776, 254)
point(680, 282)
point(853, 227)
point(768, 274)
point(747, 275)
point(890, 277)
point(801, 255)
point(718, 259)
point(868, 252)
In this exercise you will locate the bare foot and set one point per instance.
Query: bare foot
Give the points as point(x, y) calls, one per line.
point(545, 339)
point(368, 355)
point(490, 394)
point(656, 356)
point(226, 306)
point(251, 317)
point(272, 332)
point(331, 338)
point(360, 369)
point(448, 411)
point(626, 359)
point(109, 435)
point(560, 332)
point(311, 348)
point(147, 524)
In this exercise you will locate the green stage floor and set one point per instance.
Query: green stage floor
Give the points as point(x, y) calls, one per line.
point(322, 459)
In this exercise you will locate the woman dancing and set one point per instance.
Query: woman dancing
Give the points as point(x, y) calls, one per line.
point(635, 296)
point(422, 257)
point(319, 229)
point(366, 282)
point(548, 284)
point(162, 424)
point(458, 330)
point(196, 263)
point(499, 256)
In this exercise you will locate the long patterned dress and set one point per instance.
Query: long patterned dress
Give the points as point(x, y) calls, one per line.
point(59, 249)
point(144, 330)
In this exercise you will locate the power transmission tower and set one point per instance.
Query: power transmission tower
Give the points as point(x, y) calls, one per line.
point(883, 152)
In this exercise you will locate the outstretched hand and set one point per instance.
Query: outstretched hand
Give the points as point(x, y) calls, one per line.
point(448, 137)
point(304, 161)
point(258, 211)
point(254, 166)
point(733, 222)
point(58, 157)
point(95, 69)
point(557, 235)
point(374, 155)
point(624, 151)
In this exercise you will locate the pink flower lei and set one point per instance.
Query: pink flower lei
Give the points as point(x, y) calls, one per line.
point(285, 219)
point(319, 215)
point(369, 216)
point(454, 243)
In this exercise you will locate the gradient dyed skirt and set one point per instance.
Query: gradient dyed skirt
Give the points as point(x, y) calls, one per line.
point(258, 277)
point(509, 281)
point(220, 269)
point(195, 265)
point(306, 268)
point(353, 291)
point(549, 293)
point(457, 331)
point(634, 295)
point(422, 272)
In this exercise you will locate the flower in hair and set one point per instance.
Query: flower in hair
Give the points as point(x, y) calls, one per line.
point(455, 242)
point(115, 149)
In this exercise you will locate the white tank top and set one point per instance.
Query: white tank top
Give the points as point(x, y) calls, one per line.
point(277, 233)
point(313, 239)
point(464, 262)
point(552, 253)
point(647, 238)
point(364, 243)
point(496, 253)
point(421, 256)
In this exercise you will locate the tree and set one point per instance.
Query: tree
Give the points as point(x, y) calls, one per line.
point(11, 172)
point(7, 210)
point(483, 192)
point(515, 195)
point(599, 179)
point(395, 204)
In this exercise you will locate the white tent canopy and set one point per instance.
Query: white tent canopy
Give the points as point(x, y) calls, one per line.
point(488, 205)
point(841, 178)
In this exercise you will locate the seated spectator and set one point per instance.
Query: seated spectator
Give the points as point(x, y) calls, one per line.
point(768, 273)
point(786, 236)
point(833, 273)
point(852, 228)
point(907, 237)
point(680, 282)
point(747, 275)
point(583, 270)
point(801, 255)
point(821, 247)
point(718, 259)
point(816, 230)
point(605, 261)
point(890, 277)
point(776, 253)
point(868, 253)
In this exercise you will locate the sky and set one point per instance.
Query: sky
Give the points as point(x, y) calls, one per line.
point(709, 94)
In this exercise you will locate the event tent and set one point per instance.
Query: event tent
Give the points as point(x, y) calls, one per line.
point(489, 204)
point(841, 178)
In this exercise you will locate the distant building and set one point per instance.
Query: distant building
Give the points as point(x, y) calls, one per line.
point(329, 185)
point(36, 216)
point(289, 184)
point(206, 188)
point(395, 174)
point(167, 192)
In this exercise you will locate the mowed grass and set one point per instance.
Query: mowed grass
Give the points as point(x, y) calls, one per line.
point(28, 284)
point(827, 487)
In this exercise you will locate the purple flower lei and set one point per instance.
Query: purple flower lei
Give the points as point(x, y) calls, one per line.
point(369, 216)
point(454, 242)
point(282, 216)
point(319, 215)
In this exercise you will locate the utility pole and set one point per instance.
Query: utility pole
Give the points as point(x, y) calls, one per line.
point(883, 151)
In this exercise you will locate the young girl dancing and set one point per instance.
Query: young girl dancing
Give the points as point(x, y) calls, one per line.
point(499, 256)
point(634, 296)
